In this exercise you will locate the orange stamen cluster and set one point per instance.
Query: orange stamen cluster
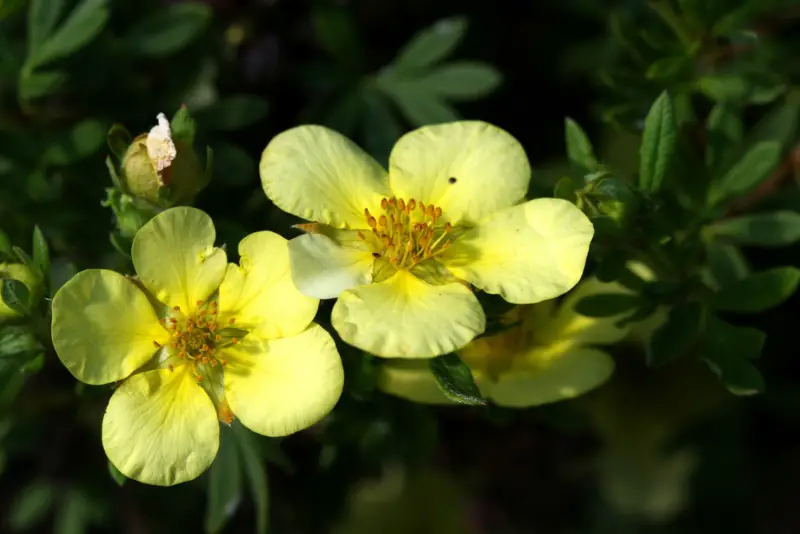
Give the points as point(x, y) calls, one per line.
point(407, 233)
point(194, 339)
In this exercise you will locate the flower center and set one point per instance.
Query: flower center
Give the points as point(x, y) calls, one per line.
point(195, 339)
point(407, 233)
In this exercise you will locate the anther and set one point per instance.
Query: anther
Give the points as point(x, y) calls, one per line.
point(199, 303)
point(372, 222)
point(223, 362)
point(366, 213)
point(232, 320)
point(429, 210)
point(156, 344)
point(437, 212)
point(412, 204)
point(384, 203)
point(401, 205)
point(176, 308)
point(382, 221)
point(448, 227)
point(361, 236)
point(234, 341)
point(218, 338)
point(171, 368)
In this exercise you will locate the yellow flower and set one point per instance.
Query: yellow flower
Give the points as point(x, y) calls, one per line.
point(545, 357)
point(400, 249)
point(194, 340)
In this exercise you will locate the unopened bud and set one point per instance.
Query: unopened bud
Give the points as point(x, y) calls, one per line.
point(21, 273)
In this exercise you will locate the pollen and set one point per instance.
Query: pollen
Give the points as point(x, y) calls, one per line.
point(407, 232)
point(195, 340)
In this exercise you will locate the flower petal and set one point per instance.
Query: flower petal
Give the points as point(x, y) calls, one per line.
point(321, 268)
point(527, 253)
point(279, 386)
point(411, 380)
point(161, 428)
point(103, 327)
point(552, 375)
point(489, 166)
point(403, 317)
point(175, 257)
point(259, 291)
point(568, 324)
point(320, 175)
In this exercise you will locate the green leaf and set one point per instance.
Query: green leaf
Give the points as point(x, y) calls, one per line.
point(380, 127)
point(726, 264)
point(115, 474)
point(18, 342)
point(32, 504)
point(168, 29)
point(666, 67)
point(779, 123)
point(754, 167)
point(455, 380)
point(724, 134)
point(38, 84)
point(15, 295)
point(607, 304)
point(118, 139)
point(41, 252)
point(233, 113)
point(775, 229)
point(741, 89)
point(565, 189)
point(42, 18)
point(82, 141)
point(256, 473)
point(579, 148)
point(419, 106)
point(338, 33)
point(728, 349)
point(463, 80)
point(658, 143)
point(676, 335)
point(431, 45)
point(233, 165)
point(183, 125)
point(759, 291)
point(60, 272)
point(84, 23)
point(224, 484)
point(75, 514)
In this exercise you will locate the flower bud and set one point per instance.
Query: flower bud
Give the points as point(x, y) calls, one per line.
point(160, 169)
point(21, 273)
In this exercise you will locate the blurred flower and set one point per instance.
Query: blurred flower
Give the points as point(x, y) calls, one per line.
point(160, 169)
point(21, 273)
point(195, 340)
point(400, 250)
point(546, 355)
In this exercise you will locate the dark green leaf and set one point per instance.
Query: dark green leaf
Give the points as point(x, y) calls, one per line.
point(18, 342)
point(15, 295)
point(224, 484)
point(41, 252)
point(42, 18)
point(759, 291)
point(658, 143)
point(724, 134)
point(233, 113)
point(419, 105)
point(38, 84)
point(455, 380)
point(60, 272)
point(82, 25)
point(779, 124)
point(676, 335)
point(754, 167)
point(33, 503)
point(183, 126)
point(726, 263)
point(464, 80)
point(666, 68)
point(579, 148)
point(75, 514)
point(256, 473)
point(775, 229)
point(168, 29)
point(115, 474)
point(607, 304)
point(431, 45)
point(565, 189)
point(381, 129)
point(740, 88)
point(728, 349)
point(338, 34)
point(118, 139)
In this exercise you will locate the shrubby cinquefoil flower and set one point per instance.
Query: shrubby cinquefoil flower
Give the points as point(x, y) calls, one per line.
point(195, 340)
point(401, 249)
point(547, 355)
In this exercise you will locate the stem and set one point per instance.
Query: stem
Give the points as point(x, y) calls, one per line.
point(678, 25)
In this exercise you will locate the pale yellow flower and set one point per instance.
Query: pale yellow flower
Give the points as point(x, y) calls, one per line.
point(402, 249)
